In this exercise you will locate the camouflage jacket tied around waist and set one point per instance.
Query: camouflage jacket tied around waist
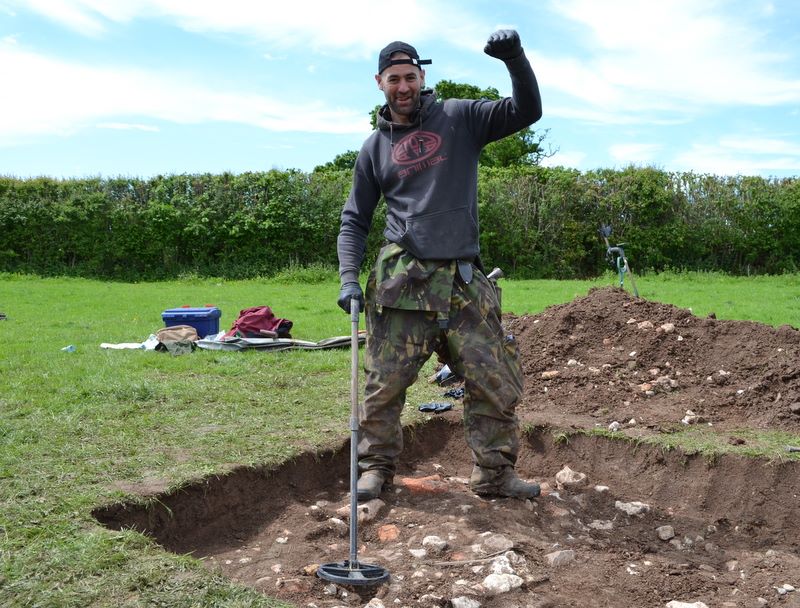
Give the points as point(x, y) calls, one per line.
point(407, 283)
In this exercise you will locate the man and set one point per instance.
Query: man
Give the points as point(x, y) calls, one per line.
point(427, 291)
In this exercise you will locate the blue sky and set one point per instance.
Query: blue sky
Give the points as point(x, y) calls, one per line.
point(146, 87)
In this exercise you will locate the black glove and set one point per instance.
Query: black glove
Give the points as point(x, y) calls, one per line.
point(348, 291)
point(503, 44)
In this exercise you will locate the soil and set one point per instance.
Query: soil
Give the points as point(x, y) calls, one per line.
point(605, 359)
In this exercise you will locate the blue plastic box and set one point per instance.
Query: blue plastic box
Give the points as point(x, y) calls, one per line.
point(204, 319)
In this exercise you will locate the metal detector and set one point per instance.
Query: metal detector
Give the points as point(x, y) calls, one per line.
point(351, 571)
point(621, 261)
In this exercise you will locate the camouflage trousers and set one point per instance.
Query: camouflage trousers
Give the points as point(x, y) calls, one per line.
point(474, 345)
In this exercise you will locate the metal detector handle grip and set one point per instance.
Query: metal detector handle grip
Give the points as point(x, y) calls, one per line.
point(495, 274)
point(493, 277)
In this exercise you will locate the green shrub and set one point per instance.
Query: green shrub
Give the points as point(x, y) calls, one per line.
point(536, 222)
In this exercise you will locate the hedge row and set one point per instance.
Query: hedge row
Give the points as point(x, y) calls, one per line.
point(536, 223)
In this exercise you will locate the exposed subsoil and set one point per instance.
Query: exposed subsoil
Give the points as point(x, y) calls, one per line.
point(597, 360)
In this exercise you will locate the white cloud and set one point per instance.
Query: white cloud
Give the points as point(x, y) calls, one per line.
point(755, 145)
point(355, 28)
point(672, 56)
point(562, 158)
point(75, 15)
point(124, 126)
point(634, 153)
point(577, 79)
point(741, 155)
point(608, 117)
point(55, 96)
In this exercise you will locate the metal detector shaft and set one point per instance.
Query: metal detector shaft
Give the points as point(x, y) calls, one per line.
point(622, 268)
point(351, 572)
point(633, 281)
point(354, 310)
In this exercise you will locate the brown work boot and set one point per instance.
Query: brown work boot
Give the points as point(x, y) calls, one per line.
point(502, 484)
point(370, 484)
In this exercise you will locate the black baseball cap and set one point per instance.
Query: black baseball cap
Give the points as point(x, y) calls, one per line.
point(385, 58)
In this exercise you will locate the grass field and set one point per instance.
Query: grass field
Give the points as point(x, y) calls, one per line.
point(76, 426)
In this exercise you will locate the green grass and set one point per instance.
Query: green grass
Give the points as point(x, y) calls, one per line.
point(766, 444)
point(73, 426)
point(774, 300)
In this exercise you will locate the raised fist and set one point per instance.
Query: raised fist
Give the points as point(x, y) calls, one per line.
point(503, 44)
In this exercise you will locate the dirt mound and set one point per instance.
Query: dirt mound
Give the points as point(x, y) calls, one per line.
point(611, 357)
point(646, 527)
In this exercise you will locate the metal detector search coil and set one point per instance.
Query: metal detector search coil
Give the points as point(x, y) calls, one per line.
point(348, 573)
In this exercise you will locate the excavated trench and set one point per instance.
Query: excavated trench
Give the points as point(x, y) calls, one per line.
point(647, 527)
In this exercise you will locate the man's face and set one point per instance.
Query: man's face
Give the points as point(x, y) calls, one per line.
point(401, 85)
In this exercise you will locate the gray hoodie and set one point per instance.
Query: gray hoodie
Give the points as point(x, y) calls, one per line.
point(428, 173)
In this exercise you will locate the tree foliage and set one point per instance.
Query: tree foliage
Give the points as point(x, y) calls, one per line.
point(341, 162)
point(536, 222)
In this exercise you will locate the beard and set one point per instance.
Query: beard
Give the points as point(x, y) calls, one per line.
point(407, 108)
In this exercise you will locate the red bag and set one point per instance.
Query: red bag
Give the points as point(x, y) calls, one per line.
point(259, 322)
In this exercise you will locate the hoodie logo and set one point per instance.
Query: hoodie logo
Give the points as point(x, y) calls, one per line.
point(416, 147)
